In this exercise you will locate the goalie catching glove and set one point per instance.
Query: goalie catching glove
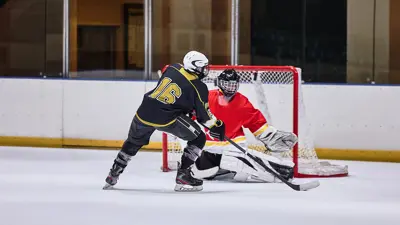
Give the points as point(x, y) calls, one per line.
point(276, 140)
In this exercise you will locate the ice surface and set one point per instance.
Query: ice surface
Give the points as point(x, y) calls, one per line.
point(64, 187)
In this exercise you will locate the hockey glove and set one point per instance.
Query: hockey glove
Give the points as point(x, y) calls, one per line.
point(276, 140)
point(218, 130)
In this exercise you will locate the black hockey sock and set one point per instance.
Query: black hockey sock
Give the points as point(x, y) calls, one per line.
point(190, 154)
point(121, 162)
point(186, 162)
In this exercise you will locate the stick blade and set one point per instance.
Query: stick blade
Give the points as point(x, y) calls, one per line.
point(309, 185)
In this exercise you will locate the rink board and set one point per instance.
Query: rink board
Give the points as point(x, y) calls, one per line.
point(349, 122)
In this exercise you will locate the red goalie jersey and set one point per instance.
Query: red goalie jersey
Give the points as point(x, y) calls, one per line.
point(237, 114)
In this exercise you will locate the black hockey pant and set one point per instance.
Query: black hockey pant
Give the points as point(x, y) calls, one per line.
point(184, 128)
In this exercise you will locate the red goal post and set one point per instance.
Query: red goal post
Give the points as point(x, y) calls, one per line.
point(282, 85)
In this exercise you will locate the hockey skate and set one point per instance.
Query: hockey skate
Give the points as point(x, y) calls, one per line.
point(120, 162)
point(113, 176)
point(185, 182)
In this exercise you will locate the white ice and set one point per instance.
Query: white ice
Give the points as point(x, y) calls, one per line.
point(64, 187)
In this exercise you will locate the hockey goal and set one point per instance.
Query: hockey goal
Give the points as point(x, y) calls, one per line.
point(277, 92)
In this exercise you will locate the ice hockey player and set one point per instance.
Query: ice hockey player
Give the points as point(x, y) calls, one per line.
point(165, 108)
point(237, 113)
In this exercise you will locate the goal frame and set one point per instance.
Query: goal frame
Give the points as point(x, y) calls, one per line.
point(295, 113)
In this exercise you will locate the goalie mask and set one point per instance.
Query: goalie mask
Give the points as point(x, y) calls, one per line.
point(228, 82)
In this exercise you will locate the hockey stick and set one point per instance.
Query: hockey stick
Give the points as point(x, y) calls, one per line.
point(297, 187)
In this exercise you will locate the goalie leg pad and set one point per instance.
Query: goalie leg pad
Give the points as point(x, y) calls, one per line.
point(207, 165)
point(247, 170)
point(269, 158)
point(243, 167)
point(283, 167)
point(204, 173)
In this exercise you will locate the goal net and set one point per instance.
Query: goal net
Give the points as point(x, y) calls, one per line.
point(276, 91)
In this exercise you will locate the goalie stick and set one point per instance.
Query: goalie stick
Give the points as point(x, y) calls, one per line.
point(297, 187)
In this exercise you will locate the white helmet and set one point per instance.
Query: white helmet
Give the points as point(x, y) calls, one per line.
point(196, 62)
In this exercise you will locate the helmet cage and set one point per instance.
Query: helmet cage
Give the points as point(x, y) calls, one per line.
point(229, 88)
point(202, 71)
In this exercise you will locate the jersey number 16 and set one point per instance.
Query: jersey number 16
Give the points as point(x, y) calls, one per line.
point(167, 92)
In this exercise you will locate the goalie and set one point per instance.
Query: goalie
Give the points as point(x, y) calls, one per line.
point(221, 160)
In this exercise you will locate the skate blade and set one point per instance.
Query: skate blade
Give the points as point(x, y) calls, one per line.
point(108, 187)
point(187, 188)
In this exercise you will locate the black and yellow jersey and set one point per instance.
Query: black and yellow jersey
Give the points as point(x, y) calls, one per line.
point(178, 92)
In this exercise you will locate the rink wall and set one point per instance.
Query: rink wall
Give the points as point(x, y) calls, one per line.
point(348, 122)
